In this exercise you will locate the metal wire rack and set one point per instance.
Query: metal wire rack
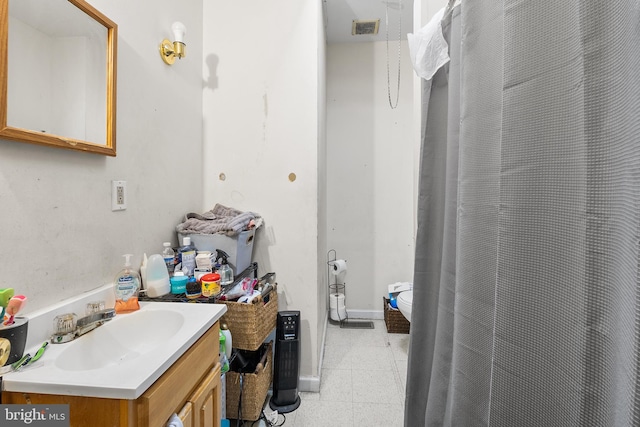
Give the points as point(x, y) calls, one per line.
point(252, 270)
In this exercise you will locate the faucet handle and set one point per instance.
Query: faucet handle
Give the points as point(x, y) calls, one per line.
point(94, 307)
point(64, 327)
point(64, 323)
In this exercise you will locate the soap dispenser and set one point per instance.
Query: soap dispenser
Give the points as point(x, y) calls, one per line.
point(225, 271)
point(126, 287)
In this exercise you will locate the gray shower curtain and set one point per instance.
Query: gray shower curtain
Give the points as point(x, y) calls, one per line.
point(526, 301)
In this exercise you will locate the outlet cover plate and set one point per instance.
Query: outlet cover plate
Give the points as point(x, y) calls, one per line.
point(118, 195)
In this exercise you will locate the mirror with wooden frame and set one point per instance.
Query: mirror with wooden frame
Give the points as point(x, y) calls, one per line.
point(58, 75)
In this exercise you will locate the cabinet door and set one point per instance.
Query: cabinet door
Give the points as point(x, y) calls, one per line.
point(186, 415)
point(206, 400)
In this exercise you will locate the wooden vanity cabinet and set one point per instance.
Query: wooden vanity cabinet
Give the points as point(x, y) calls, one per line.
point(204, 403)
point(190, 388)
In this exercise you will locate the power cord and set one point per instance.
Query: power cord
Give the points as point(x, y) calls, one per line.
point(263, 417)
point(240, 401)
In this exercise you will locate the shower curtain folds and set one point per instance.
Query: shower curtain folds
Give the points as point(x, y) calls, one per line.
point(529, 220)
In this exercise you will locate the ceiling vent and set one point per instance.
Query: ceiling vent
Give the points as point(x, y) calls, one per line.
point(369, 27)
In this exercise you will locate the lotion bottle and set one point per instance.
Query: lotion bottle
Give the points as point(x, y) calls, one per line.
point(127, 286)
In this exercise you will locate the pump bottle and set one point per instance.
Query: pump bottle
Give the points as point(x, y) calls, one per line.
point(127, 286)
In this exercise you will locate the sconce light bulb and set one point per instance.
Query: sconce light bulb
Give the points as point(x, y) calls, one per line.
point(179, 31)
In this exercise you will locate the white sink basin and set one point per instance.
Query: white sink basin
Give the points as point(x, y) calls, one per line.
point(121, 358)
point(124, 338)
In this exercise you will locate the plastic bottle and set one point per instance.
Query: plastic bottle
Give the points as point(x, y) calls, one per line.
point(143, 272)
point(157, 283)
point(169, 257)
point(126, 287)
point(228, 340)
point(224, 361)
point(225, 271)
point(187, 256)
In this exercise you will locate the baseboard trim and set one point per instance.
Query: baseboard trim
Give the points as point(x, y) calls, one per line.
point(366, 314)
point(309, 384)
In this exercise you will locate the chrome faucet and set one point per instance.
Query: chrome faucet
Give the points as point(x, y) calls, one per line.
point(93, 320)
point(68, 329)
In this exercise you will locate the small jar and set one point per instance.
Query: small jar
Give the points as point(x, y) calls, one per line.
point(179, 283)
point(193, 289)
point(210, 285)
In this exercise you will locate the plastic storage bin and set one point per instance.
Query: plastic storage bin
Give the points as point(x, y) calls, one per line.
point(238, 247)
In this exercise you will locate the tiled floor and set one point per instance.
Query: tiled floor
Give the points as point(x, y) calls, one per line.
point(363, 381)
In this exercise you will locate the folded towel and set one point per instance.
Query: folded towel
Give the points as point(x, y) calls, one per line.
point(220, 219)
point(174, 421)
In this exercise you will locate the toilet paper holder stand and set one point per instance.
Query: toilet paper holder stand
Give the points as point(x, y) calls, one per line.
point(335, 269)
point(336, 288)
point(337, 294)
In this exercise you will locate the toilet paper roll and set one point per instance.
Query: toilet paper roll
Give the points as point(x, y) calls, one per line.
point(338, 266)
point(336, 301)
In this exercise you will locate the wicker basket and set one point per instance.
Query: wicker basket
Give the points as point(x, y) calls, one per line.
point(395, 321)
point(254, 390)
point(251, 324)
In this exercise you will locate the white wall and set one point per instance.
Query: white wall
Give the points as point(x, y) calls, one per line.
point(261, 124)
point(59, 236)
point(322, 294)
point(369, 169)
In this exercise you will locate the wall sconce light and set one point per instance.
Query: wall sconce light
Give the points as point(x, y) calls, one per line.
point(170, 51)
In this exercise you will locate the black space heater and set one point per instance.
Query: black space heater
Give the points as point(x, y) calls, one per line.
point(286, 366)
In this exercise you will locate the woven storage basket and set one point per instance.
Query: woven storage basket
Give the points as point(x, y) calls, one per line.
point(251, 324)
point(254, 390)
point(395, 321)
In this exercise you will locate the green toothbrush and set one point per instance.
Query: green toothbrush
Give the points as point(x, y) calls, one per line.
point(40, 352)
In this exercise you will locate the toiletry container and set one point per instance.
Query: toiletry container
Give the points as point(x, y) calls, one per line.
point(224, 330)
point(157, 277)
point(210, 285)
point(13, 339)
point(179, 283)
point(126, 288)
point(169, 257)
point(193, 289)
point(143, 272)
point(187, 256)
point(225, 271)
point(203, 260)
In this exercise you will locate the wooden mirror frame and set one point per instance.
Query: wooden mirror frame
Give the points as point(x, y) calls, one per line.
point(35, 137)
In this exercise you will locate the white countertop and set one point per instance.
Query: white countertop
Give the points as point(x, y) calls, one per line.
point(126, 377)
